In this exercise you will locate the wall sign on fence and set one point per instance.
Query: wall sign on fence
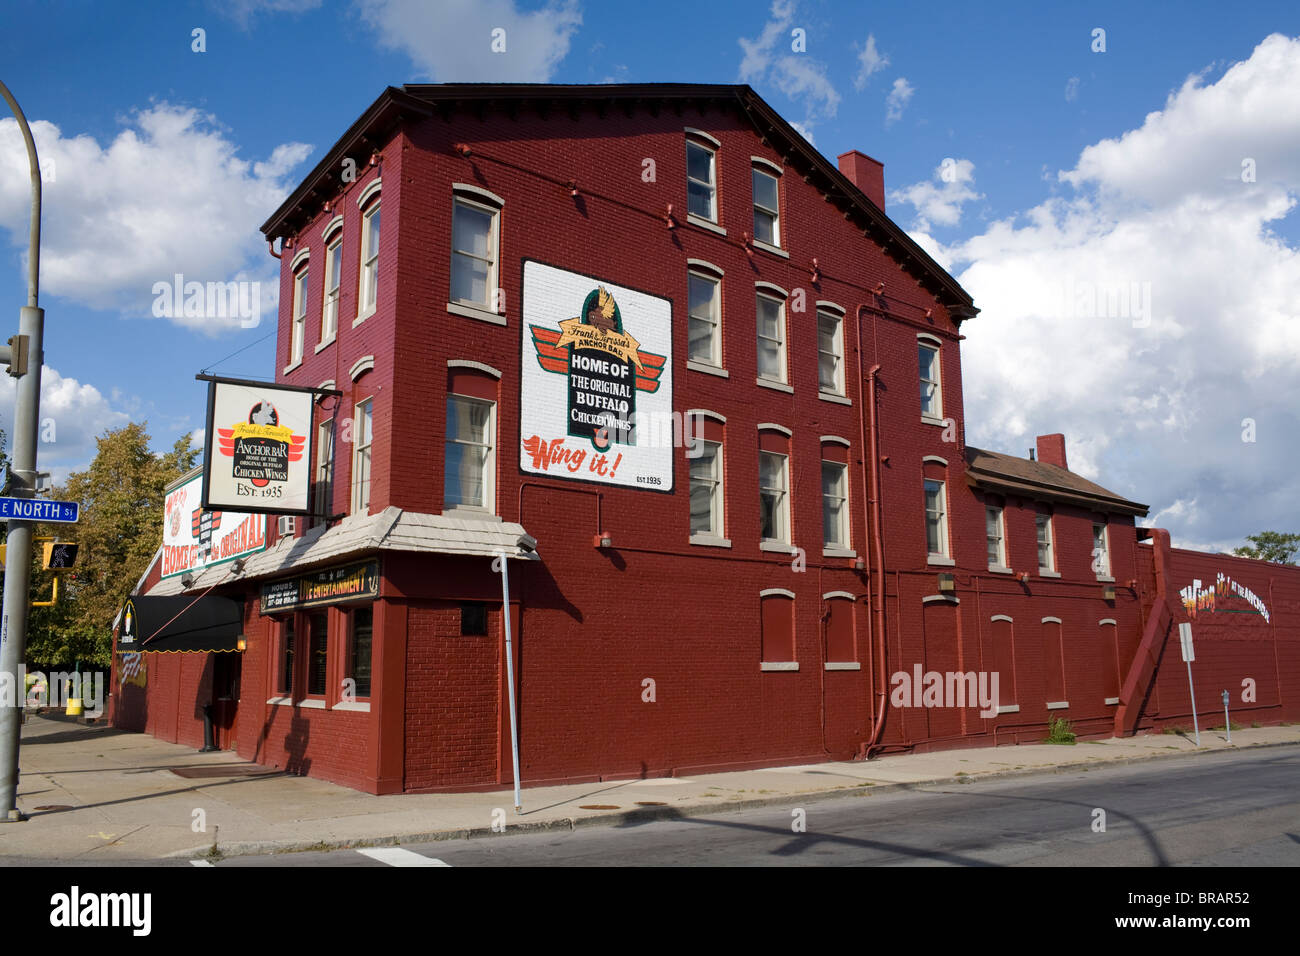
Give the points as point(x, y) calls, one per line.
point(351, 582)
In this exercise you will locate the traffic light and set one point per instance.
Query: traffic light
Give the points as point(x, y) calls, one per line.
point(60, 555)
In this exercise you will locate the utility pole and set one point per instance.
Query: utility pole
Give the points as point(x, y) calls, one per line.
point(24, 356)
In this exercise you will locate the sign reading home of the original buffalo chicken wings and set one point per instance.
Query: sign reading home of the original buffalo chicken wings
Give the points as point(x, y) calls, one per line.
point(258, 448)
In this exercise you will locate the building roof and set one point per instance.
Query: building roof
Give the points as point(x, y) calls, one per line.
point(389, 530)
point(1007, 474)
point(414, 101)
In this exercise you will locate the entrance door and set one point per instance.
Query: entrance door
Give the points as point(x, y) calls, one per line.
point(225, 694)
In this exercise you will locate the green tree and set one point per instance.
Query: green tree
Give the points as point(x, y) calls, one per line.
point(121, 496)
point(1270, 546)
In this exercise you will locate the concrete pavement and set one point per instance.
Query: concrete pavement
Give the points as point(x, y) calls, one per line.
point(95, 793)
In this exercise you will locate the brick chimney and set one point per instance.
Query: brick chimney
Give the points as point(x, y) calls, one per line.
point(1051, 450)
point(865, 173)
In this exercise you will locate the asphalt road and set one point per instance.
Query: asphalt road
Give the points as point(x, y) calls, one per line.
point(1209, 809)
point(1238, 809)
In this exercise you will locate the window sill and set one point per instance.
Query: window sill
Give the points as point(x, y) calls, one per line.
point(833, 552)
point(1008, 708)
point(999, 569)
point(1105, 579)
point(1058, 705)
point(780, 547)
point(280, 701)
point(843, 666)
point(833, 397)
point(313, 703)
point(474, 312)
point(695, 220)
point(1112, 700)
point(775, 385)
point(710, 541)
point(360, 706)
point(707, 369)
point(931, 420)
point(291, 366)
point(779, 665)
point(775, 250)
point(363, 316)
point(326, 344)
point(1044, 573)
point(470, 514)
point(941, 561)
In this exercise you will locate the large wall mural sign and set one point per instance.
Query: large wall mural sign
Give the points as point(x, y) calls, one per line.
point(1209, 600)
point(596, 386)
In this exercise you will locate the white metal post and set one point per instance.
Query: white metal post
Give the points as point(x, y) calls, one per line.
point(499, 564)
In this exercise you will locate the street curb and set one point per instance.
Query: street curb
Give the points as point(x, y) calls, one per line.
point(654, 814)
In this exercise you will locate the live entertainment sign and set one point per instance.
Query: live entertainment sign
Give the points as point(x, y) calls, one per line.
point(332, 586)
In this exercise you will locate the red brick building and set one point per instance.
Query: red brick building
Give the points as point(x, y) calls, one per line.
point(653, 330)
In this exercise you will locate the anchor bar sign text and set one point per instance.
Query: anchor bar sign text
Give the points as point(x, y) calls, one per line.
point(39, 509)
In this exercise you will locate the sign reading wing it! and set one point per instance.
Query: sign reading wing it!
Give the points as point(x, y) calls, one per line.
point(555, 358)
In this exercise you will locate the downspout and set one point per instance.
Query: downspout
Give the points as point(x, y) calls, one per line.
point(1141, 671)
point(872, 475)
point(270, 247)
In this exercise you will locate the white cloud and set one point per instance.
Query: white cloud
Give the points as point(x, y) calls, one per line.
point(899, 96)
point(243, 11)
point(1072, 89)
point(73, 414)
point(869, 62)
point(940, 204)
point(168, 195)
point(800, 77)
point(452, 40)
point(1153, 311)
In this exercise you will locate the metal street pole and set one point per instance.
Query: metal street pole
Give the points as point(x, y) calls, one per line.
point(18, 557)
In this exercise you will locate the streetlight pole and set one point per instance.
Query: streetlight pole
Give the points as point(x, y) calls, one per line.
point(18, 556)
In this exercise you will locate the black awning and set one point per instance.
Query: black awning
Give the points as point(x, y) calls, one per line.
point(180, 623)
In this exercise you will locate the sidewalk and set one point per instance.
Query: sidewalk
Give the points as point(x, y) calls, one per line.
point(93, 792)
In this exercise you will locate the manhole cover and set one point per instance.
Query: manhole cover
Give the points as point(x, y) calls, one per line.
point(651, 803)
point(598, 806)
point(53, 806)
point(223, 770)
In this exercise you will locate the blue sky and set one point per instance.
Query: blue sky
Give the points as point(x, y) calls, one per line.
point(1044, 174)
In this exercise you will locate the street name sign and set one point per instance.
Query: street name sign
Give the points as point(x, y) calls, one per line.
point(39, 509)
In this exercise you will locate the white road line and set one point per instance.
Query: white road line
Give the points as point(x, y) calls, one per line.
point(199, 863)
point(396, 856)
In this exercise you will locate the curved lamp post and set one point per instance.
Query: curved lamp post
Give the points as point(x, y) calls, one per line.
point(13, 618)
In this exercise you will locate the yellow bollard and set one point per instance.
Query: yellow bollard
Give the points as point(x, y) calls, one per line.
point(74, 705)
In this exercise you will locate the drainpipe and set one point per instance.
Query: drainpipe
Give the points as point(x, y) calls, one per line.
point(872, 475)
point(270, 247)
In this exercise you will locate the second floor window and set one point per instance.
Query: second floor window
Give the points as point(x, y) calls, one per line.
point(323, 503)
point(701, 198)
point(830, 352)
point(936, 519)
point(1100, 550)
point(835, 502)
point(997, 545)
point(706, 490)
point(473, 255)
point(361, 438)
point(704, 334)
point(369, 260)
point(299, 333)
point(469, 463)
point(329, 320)
point(771, 339)
point(774, 504)
point(1046, 556)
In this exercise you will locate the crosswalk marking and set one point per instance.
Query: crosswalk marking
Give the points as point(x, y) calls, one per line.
point(396, 856)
